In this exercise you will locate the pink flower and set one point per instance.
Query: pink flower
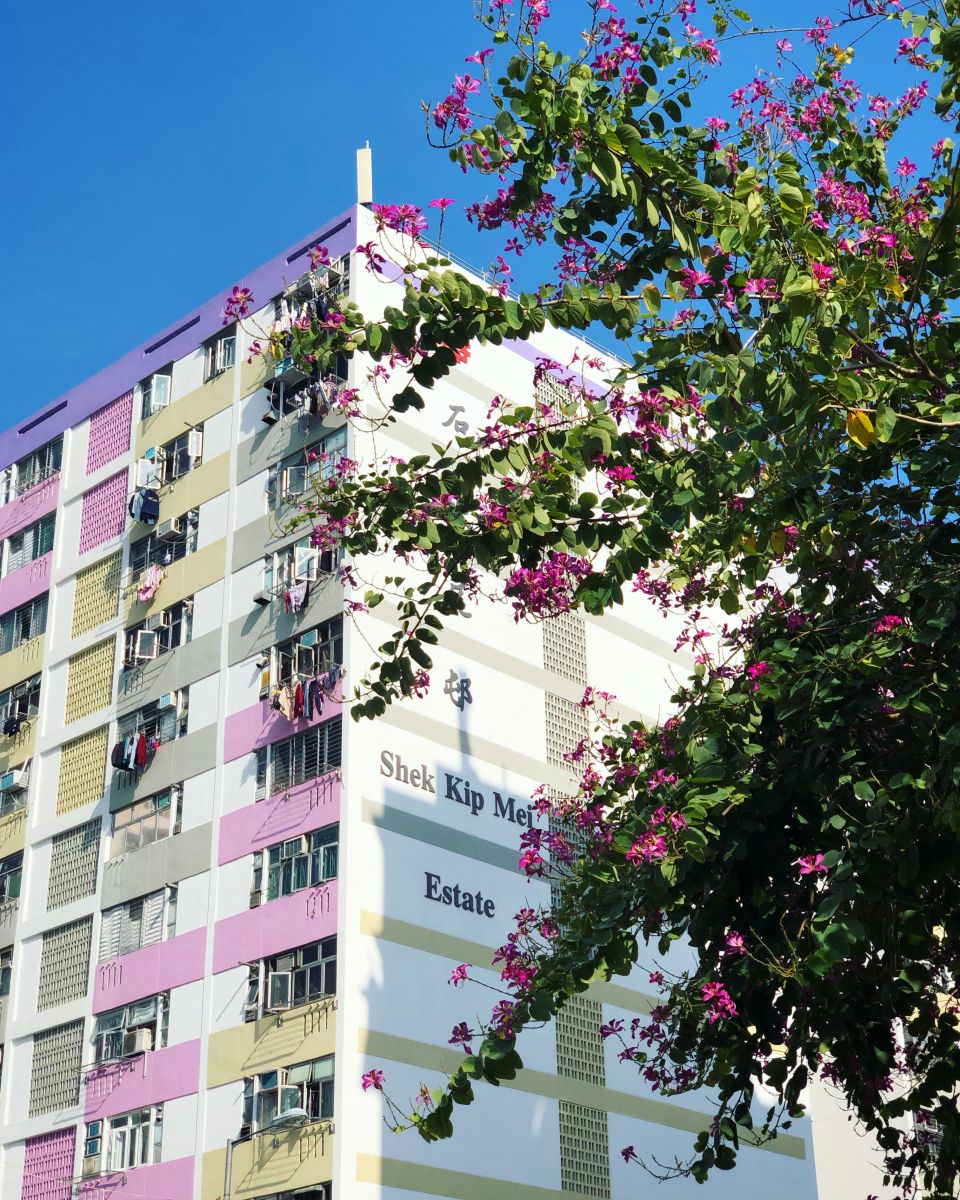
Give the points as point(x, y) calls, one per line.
point(652, 847)
point(480, 57)
point(735, 943)
point(887, 624)
point(372, 1079)
point(812, 864)
point(693, 279)
point(755, 670)
point(822, 273)
point(628, 1154)
point(906, 168)
point(442, 203)
point(462, 1036)
point(720, 1005)
point(459, 975)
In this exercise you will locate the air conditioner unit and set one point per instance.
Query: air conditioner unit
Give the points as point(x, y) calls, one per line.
point(294, 846)
point(137, 1041)
point(14, 781)
point(174, 530)
point(262, 597)
point(256, 896)
point(169, 700)
point(292, 1116)
point(159, 620)
point(91, 1166)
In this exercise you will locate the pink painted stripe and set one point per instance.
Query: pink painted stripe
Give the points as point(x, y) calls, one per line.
point(152, 969)
point(30, 581)
point(147, 1079)
point(165, 1181)
point(260, 725)
point(277, 925)
point(30, 507)
point(301, 810)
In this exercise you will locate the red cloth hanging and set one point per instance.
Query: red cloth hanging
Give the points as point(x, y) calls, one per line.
point(140, 755)
point(298, 701)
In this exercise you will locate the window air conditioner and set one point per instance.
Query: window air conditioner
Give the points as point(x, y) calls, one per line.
point(14, 781)
point(158, 621)
point(294, 846)
point(169, 700)
point(256, 895)
point(91, 1166)
point(174, 530)
point(137, 1041)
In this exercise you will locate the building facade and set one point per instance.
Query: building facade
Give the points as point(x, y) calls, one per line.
point(221, 900)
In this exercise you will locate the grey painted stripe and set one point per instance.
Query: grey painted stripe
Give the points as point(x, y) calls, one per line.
point(421, 829)
point(265, 625)
point(262, 536)
point(402, 716)
point(172, 763)
point(179, 668)
point(274, 442)
point(451, 638)
point(153, 867)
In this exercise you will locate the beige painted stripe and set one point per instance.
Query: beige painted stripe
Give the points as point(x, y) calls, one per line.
point(183, 578)
point(575, 1091)
point(196, 406)
point(435, 1181)
point(445, 945)
point(408, 719)
point(22, 662)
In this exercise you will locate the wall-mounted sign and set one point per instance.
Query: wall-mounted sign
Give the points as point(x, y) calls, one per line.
point(458, 790)
point(457, 896)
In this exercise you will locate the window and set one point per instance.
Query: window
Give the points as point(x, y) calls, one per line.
point(23, 623)
point(164, 721)
point(307, 1086)
point(123, 1142)
point(310, 653)
point(318, 1191)
point(304, 756)
point(297, 863)
point(28, 544)
point(158, 634)
point(22, 701)
point(292, 978)
point(11, 868)
point(296, 475)
point(6, 970)
point(27, 472)
point(138, 923)
point(114, 1032)
point(146, 821)
point(180, 455)
point(297, 563)
point(219, 355)
point(155, 392)
point(152, 550)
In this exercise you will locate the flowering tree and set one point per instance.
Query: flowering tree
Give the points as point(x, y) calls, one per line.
point(779, 444)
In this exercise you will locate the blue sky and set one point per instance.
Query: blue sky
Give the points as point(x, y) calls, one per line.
point(150, 160)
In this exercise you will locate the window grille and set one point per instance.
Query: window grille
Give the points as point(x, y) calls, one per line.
point(296, 863)
point(74, 858)
point(137, 923)
point(24, 623)
point(298, 563)
point(27, 545)
point(30, 470)
point(304, 756)
point(83, 766)
point(293, 978)
point(55, 1073)
point(298, 474)
point(48, 1165)
point(65, 963)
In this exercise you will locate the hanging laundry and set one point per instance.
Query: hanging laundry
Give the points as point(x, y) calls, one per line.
point(11, 726)
point(298, 702)
point(297, 596)
point(286, 701)
point(150, 507)
point(275, 702)
point(330, 679)
point(314, 698)
point(130, 747)
point(140, 755)
point(149, 583)
point(118, 757)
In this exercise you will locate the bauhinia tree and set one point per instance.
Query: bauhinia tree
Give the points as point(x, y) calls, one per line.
point(780, 444)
